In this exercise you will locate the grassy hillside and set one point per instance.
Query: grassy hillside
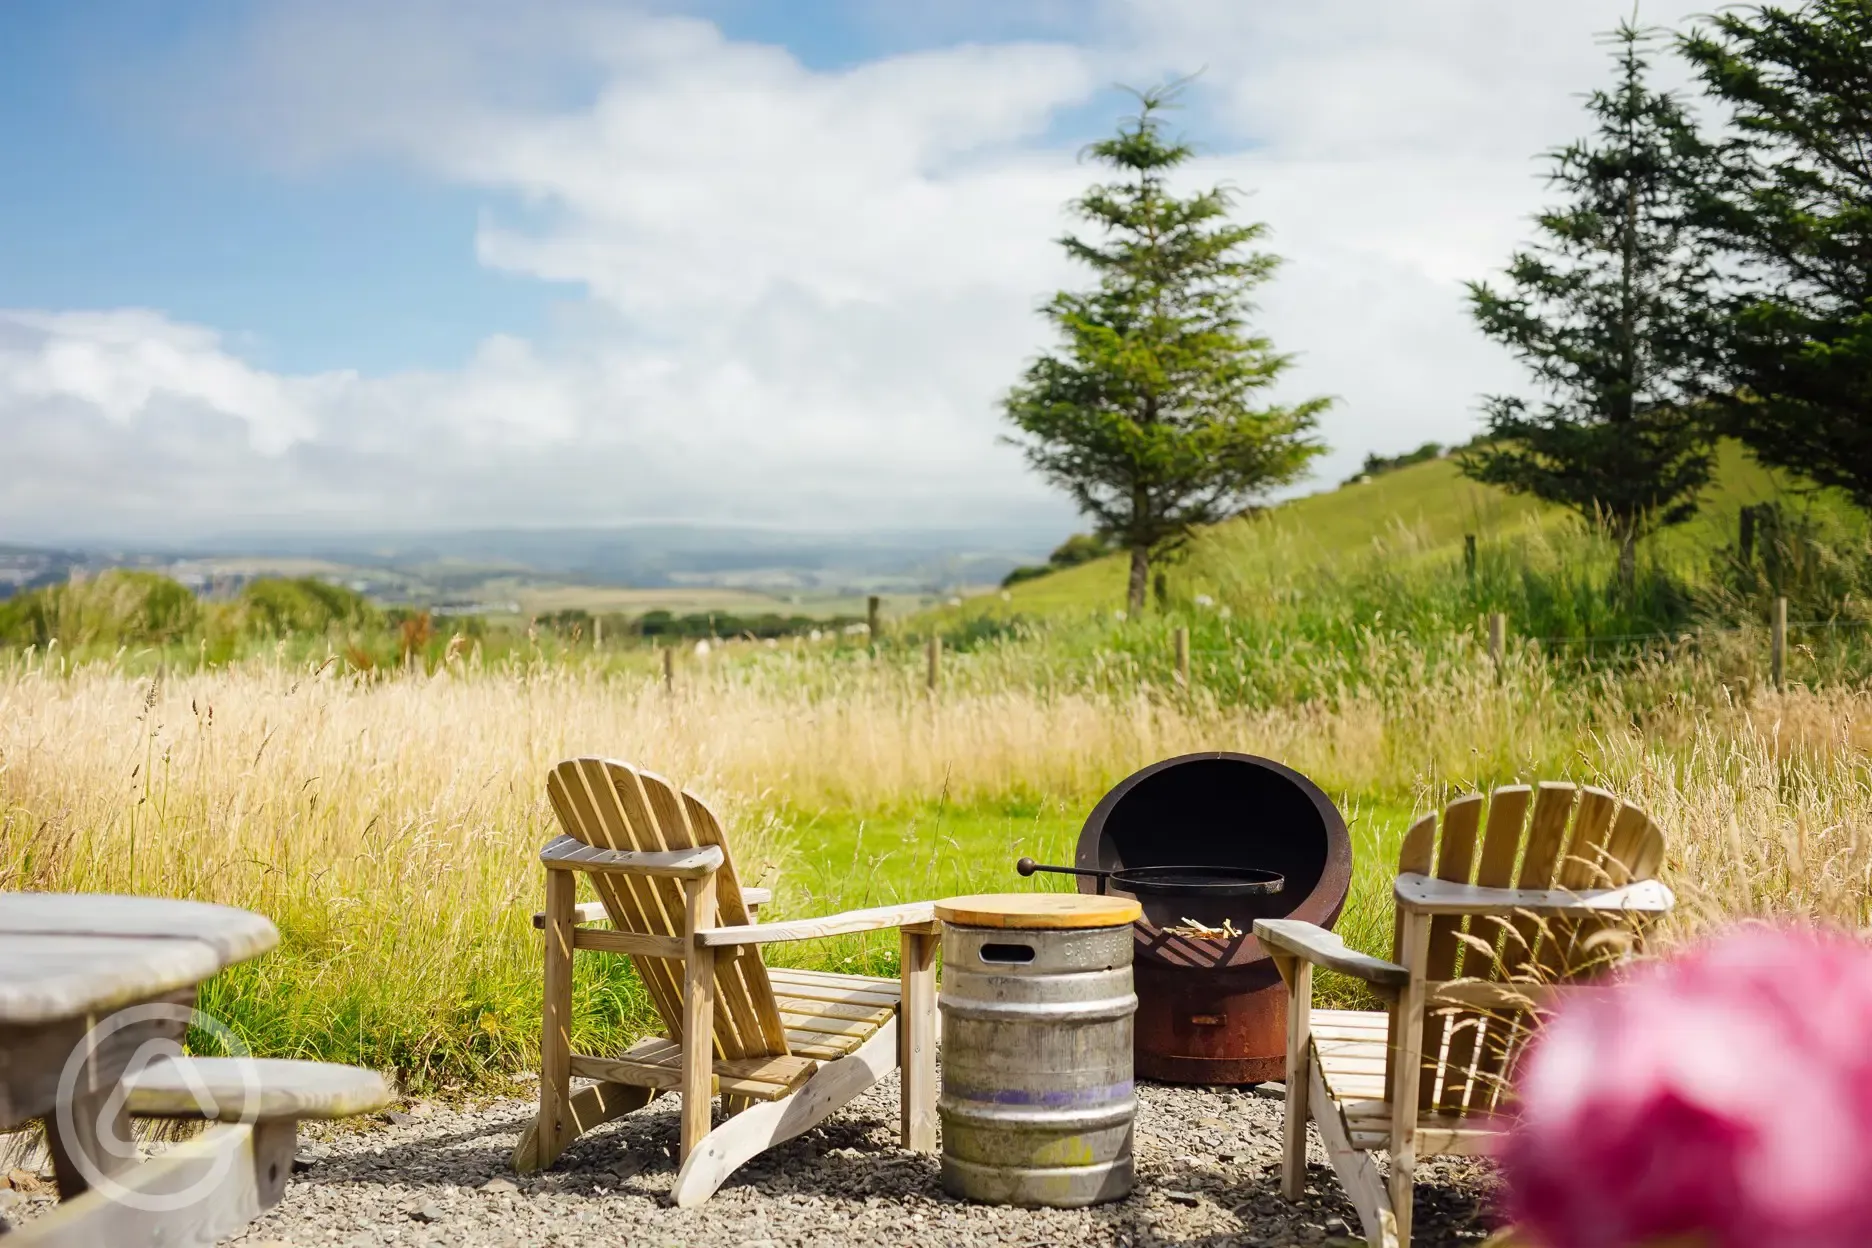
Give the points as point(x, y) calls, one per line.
point(1420, 511)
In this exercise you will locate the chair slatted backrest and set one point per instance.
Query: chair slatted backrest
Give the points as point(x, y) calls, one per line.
point(613, 805)
point(1574, 838)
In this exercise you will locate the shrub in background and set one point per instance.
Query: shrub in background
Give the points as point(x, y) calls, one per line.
point(285, 607)
point(123, 607)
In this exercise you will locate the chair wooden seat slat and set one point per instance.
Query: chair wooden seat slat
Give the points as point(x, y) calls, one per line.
point(1496, 917)
point(785, 1047)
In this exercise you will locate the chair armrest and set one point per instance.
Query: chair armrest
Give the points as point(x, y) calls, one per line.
point(1430, 896)
point(1295, 939)
point(594, 911)
point(906, 915)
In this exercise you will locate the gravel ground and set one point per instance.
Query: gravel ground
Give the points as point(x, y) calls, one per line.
point(435, 1175)
point(1208, 1174)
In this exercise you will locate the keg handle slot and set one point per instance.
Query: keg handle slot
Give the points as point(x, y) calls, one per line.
point(1006, 955)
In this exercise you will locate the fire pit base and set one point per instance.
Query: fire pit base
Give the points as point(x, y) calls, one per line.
point(1212, 1026)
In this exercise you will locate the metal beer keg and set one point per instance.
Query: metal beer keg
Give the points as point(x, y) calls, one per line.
point(1037, 1005)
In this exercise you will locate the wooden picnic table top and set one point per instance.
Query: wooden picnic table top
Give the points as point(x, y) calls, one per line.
point(69, 955)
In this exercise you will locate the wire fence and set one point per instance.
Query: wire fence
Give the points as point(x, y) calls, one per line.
point(1779, 629)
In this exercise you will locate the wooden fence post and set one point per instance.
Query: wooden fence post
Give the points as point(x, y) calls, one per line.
point(669, 669)
point(1469, 554)
point(871, 616)
point(935, 663)
point(1777, 644)
point(1497, 640)
point(1182, 657)
point(597, 632)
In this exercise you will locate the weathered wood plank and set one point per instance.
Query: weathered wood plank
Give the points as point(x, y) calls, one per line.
point(594, 911)
point(698, 1016)
point(763, 1078)
point(227, 1089)
point(860, 995)
point(194, 1194)
point(1456, 850)
point(826, 1026)
point(1299, 976)
point(566, 853)
point(1357, 1172)
point(917, 1031)
point(790, 1004)
point(753, 1132)
point(871, 920)
point(1428, 896)
point(820, 1046)
point(46, 978)
point(600, 941)
point(1501, 842)
point(235, 934)
point(556, 1019)
point(1323, 948)
point(876, 983)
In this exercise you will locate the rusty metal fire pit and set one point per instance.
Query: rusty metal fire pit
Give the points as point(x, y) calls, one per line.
point(1214, 1011)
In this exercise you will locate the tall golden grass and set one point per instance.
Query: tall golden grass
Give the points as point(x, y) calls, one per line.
point(390, 825)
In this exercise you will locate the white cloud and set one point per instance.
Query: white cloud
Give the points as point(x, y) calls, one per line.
point(805, 288)
point(122, 363)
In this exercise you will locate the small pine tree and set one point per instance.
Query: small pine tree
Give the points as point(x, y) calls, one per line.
point(1147, 415)
point(1610, 312)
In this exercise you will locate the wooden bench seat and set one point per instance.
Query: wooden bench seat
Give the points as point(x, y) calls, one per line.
point(204, 1189)
point(224, 1089)
point(1349, 1047)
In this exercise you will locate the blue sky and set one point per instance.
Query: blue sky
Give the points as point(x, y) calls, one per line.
point(439, 263)
point(110, 204)
point(107, 205)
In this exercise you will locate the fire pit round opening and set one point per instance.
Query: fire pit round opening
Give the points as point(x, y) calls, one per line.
point(1210, 1011)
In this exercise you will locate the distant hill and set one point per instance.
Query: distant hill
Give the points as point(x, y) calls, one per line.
point(763, 560)
point(1431, 503)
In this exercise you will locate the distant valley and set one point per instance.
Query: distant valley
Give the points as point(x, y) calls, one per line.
point(678, 568)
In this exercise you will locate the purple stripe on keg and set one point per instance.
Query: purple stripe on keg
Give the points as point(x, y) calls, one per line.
point(1043, 1100)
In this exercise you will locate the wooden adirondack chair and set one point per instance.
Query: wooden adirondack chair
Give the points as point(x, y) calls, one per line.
point(785, 1048)
point(1488, 932)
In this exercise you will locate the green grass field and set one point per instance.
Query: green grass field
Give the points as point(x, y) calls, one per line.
point(388, 814)
point(1422, 512)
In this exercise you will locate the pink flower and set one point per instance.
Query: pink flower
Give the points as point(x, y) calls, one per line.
point(1723, 1096)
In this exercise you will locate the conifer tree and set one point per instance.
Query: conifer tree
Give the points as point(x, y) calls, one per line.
point(1610, 312)
point(1795, 210)
point(1148, 413)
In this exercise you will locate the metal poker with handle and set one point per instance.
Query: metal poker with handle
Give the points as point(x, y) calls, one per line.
point(1175, 881)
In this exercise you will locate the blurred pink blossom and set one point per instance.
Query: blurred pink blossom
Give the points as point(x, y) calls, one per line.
point(1722, 1097)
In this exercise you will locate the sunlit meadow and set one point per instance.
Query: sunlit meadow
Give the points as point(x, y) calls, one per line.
point(389, 823)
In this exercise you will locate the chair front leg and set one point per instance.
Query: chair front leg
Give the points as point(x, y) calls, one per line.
point(698, 1038)
point(550, 1134)
point(916, 1034)
point(1299, 977)
point(1407, 1067)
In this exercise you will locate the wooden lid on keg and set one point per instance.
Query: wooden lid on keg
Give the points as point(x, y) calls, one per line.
point(1038, 911)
